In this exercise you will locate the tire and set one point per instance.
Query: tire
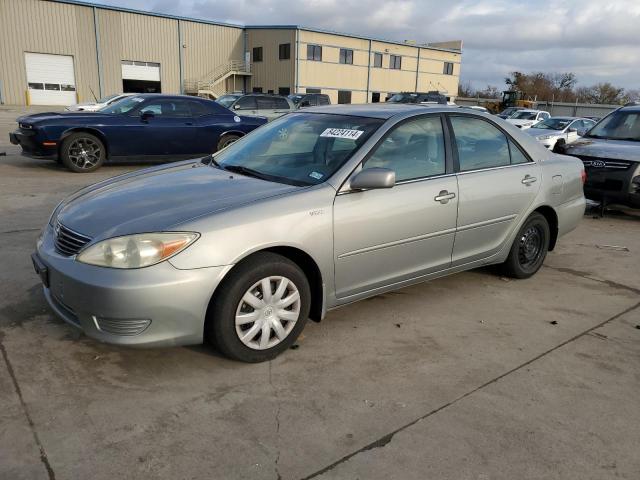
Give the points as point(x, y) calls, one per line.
point(229, 305)
point(559, 146)
point(82, 152)
point(529, 248)
point(226, 140)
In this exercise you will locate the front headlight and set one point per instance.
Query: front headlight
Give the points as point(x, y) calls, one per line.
point(137, 251)
point(545, 137)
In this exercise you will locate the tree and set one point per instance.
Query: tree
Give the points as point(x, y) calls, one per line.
point(603, 93)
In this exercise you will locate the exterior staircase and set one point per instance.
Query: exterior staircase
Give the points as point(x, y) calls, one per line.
point(213, 84)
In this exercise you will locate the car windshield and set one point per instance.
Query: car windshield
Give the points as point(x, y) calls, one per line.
point(122, 106)
point(507, 112)
point(619, 125)
point(553, 124)
point(227, 100)
point(523, 115)
point(298, 149)
point(108, 97)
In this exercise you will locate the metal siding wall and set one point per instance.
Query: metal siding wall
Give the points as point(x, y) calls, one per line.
point(44, 27)
point(208, 46)
point(272, 73)
point(110, 27)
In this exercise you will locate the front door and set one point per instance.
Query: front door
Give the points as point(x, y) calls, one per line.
point(497, 183)
point(387, 236)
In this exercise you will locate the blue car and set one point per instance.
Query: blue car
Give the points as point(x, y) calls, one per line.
point(146, 127)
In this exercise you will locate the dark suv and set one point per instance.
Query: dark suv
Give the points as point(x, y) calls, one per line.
point(418, 97)
point(610, 152)
point(302, 100)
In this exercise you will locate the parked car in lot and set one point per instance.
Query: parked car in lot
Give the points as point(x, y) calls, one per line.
point(149, 127)
point(524, 119)
point(302, 100)
point(265, 105)
point(507, 112)
point(317, 209)
point(98, 104)
point(559, 130)
point(418, 97)
point(610, 152)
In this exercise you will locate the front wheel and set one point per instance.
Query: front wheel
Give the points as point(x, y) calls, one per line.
point(227, 140)
point(260, 309)
point(82, 152)
point(529, 248)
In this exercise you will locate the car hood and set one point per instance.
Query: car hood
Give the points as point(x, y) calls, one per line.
point(70, 116)
point(602, 148)
point(160, 198)
point(538, 132)
point(520, 122)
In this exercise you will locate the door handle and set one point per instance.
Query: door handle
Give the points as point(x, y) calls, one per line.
point(528, 180)
point(444, 196)
point(189, 123)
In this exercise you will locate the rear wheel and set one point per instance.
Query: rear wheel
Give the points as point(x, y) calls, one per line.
point(227, 140)
point(529, 248)
point(260, 309)
point(82, 152)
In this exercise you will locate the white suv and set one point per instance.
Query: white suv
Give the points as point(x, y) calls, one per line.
point(526, 118)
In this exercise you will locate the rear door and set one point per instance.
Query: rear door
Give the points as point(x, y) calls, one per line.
point(497, 183)
point(246, 106)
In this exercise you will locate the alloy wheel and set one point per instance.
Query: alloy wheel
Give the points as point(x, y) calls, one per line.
point(84, 153)
point(267, 312)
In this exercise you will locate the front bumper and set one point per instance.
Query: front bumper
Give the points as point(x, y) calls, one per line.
point(153, 306)
point(32, 145)
point(612, 186)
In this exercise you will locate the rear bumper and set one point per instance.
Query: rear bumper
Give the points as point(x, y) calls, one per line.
point(570, 214)
point(32, 145)
point(154, 306)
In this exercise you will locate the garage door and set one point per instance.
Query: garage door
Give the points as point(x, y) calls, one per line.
point(140, 77)
point(51, 79)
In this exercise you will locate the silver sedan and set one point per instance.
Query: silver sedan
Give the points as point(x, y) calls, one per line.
point(315, 210)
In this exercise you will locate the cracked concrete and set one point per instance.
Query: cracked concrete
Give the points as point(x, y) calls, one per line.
point(463, 378)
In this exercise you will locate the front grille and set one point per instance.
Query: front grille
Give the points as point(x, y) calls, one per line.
point(605, 163)
point(67, 241)
point(119, 326)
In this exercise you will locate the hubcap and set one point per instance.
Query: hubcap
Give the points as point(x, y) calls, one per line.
point(530, 249)
point(84, 153)
point(267, 312)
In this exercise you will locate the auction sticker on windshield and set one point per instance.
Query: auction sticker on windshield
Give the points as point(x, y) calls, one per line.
point(342, 133)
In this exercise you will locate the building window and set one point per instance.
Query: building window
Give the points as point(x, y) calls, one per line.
point(344, 96)
point(269, 91)
point(257, 89)
point(395, 62)
point(284, 51)
point(313, 90)
point(346, 56)
point(314, 52)
point(448, 68)
point(257, 54)
point(284, 90)
point(375, 97)
point(377, 60)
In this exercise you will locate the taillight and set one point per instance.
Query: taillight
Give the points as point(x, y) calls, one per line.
point(583, 174)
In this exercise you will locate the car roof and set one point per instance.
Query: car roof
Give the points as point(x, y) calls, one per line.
point(176, 97)
point(383, 110)
point(631, 108)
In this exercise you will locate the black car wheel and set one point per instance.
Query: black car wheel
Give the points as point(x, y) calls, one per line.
point(227, 140)
point(529, 248)
point(82, 152)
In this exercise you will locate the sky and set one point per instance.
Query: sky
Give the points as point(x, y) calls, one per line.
point(598, 40)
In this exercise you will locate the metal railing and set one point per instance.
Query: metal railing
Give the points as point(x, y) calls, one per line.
point(212, 80)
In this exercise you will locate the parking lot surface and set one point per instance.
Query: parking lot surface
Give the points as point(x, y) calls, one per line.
point(473, 376)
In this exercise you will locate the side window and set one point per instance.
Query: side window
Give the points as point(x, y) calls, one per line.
point(280, 103)
point(414, 149)
point(516, 154)
point(323, 100)
point(246, 103)
point(168, 108)
point(265, 103)
point(479, 144)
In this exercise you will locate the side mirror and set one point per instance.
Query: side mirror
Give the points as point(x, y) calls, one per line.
point(373, 178)
point(146, 115)
point(236, 107)
point(572, 130)
point(305, 103)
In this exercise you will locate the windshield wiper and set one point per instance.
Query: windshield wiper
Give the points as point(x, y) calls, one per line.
point(249, 172)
